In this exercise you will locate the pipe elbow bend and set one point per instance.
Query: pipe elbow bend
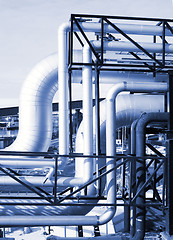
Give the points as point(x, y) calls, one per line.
point(113, 92)
point(64, 28)
point(106, 216)
point(139, 235)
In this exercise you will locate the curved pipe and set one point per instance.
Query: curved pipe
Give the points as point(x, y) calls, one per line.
point(111, 111)
point(140, 167)
point(35, 109)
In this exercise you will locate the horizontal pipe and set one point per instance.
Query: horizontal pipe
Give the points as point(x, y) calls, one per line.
point(137, 29)
point(40, 181)
point(18, 164)
point(14, 221)
point(130, 47)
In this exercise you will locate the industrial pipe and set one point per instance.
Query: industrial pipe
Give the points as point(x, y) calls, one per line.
point(136, 29)
point(130, 47)
point(111, 121)
point(140, 167)
point(133, 171)
point(87, 113)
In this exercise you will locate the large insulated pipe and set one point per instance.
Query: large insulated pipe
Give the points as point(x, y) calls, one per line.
point(140, 167)
point(35, 109)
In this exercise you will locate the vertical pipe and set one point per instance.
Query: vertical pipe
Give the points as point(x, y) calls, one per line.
point(97, 110)
point(63, 90)
point(133, 174)
point(140, 180)
point(87, 111)
point(140, 168)
point(70, 59)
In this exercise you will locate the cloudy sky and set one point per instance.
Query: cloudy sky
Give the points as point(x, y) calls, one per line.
point(28, 32)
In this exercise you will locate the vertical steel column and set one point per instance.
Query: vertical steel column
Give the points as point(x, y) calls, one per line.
point(97, 122)
point(55, 186)
point(70, 62)
point(127, 208)
point(163, 44)
point(169, 214)
point(70, 112)
point(97, 110)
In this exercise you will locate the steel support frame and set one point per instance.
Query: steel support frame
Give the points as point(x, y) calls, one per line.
point(169, 194)
point(76, 18)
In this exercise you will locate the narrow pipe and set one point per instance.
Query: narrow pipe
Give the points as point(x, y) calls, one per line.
point(133, 173)
point(137, 29)
point(140, 167)
point(63, 89)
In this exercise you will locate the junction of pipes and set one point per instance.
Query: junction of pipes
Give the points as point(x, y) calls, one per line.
point(121, 70)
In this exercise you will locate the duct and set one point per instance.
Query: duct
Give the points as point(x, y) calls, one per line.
point(140, 167)
point(130, 47)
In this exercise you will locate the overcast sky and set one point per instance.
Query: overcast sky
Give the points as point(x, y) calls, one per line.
point(28, 32)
